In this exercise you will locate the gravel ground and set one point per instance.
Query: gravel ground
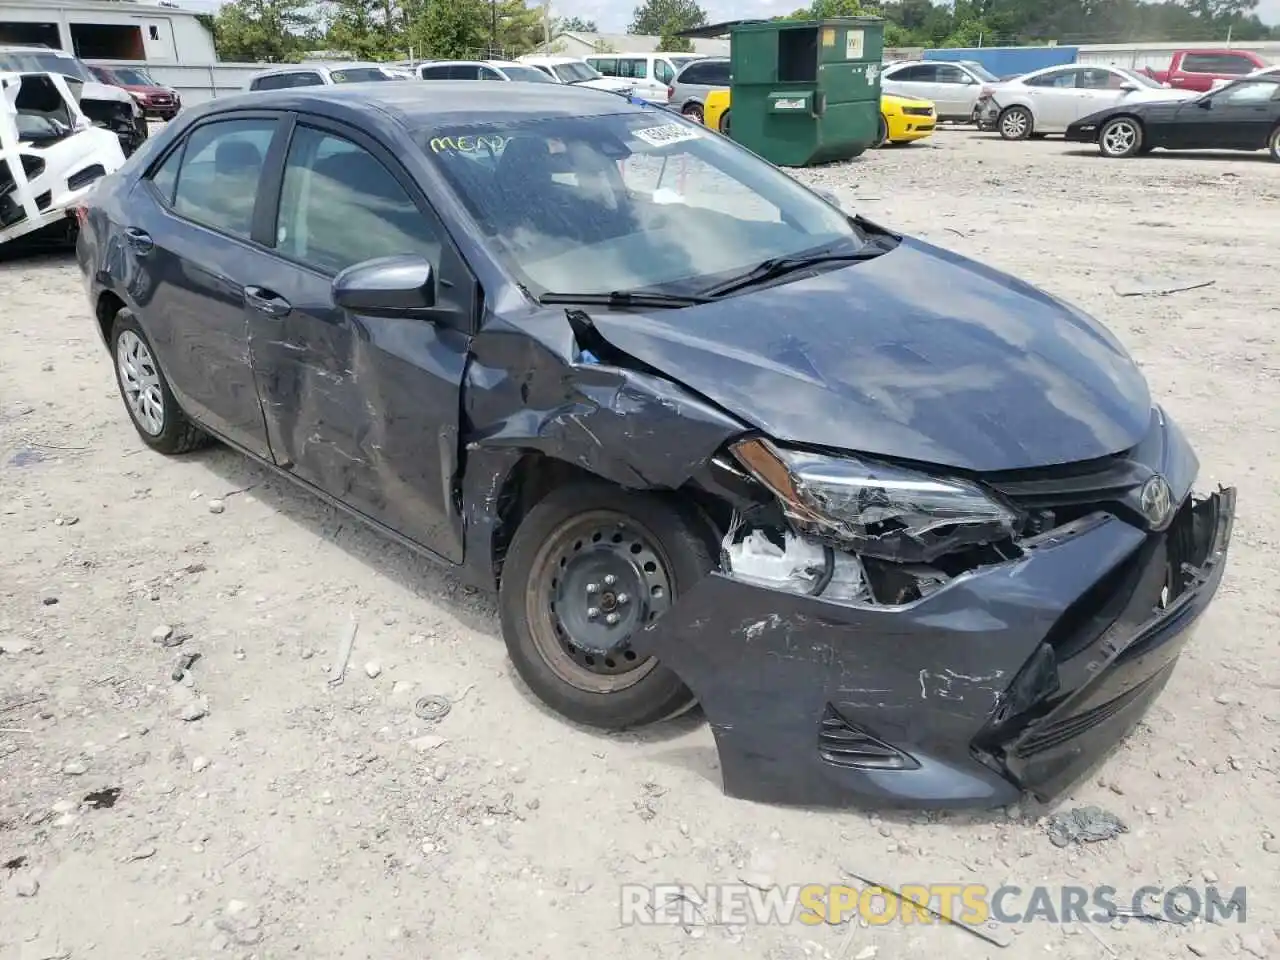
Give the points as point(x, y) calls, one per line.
point(263, 813)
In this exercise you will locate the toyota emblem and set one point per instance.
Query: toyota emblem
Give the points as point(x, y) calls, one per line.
point(1156, 500)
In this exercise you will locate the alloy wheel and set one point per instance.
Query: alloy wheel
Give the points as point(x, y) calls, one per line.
point(596, 581)
point(140, 380)
point(1120, 138)
point(1015, 124)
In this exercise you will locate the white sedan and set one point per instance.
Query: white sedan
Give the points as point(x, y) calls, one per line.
point(1050, 100)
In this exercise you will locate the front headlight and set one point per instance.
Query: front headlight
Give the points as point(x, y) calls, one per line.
point(874, 508)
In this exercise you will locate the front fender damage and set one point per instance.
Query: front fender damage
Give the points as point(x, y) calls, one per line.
point(539, 390)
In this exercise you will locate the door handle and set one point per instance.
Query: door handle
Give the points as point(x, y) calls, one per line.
point(264, 301)
point(139, 240)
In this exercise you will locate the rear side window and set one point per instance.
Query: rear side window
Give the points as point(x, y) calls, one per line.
point(358, 75)
point(663, 72)
point(1217, 63)
point(706, 73)
point(221, 169)
point(434, 73)
point(606, 65)
point(918, 73)
point(634, 69)
point(1062, 78)
point(165, 176)
point(341, 206)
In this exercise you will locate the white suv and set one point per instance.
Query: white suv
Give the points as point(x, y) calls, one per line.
point(571, 70)
point(650, 73)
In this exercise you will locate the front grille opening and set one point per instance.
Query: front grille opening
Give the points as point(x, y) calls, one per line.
point(45, 200)
point(848, 745)
point(1096, 609)
point(86, 176)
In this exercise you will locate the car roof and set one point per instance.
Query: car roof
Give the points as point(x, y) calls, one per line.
point(415, 106)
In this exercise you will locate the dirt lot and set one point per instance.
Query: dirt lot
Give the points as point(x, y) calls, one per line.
point(300, 819)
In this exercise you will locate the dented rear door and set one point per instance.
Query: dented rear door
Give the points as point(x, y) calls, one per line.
point(364, 408)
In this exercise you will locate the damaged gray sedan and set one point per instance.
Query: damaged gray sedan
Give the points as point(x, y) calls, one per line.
point(909, 530)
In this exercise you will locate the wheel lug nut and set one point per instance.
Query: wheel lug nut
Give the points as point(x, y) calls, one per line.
point(610, 580)
point(593, 588)
point(611, 619)
point(623, 598)
point(593, 612)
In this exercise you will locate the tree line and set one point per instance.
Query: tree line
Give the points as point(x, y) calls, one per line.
point(279, 31)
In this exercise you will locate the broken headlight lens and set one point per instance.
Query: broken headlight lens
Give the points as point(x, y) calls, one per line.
point(877, 509)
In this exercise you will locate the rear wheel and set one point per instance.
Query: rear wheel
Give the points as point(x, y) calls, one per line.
point(882, 133)
point(1119, 138)
point(724, 123)
point(588, 568)
point(693, 111)
point(1016, 123)
point(155, 413)
point(1273, 145)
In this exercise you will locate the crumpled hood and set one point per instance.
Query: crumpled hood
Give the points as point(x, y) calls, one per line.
point(919, 354)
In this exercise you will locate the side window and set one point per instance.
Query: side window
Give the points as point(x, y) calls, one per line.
point(920, 73)
point(1224, 63)
point(165, 176)
point(950, 74)
point(1096, 79)
point(340, 206)
point(1245, 93)
point(488, 74)
point(606, 65)
point(663, 71)
point(633, 69)
point(464, 71)
point(221, 169)
point(435, 73)
point(269, 83)
point(306, 79)
point(1061, 78)
point(717, 73)
point(694, 73)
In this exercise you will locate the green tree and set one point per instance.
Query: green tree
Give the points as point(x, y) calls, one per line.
point(576, 25)
point(367, 29)
point(520, 27)
point(669, 42)
point(652, 17)
point(270, 31)
point(450, 29)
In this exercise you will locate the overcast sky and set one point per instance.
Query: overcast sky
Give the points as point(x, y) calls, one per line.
point(614, 15)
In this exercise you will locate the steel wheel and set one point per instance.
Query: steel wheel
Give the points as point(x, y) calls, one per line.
point(140, 383)
point(596, 580)
point(1015, 124)
point(1121, 137)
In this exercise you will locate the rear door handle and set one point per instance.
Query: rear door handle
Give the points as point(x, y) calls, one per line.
point(265, 301)
point(139, 240)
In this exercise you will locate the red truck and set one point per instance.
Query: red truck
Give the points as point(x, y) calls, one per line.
point(1199, 69)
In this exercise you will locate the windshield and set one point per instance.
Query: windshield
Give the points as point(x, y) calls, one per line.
point(981, 72)
point(359, 75)
point(37, 61)
point(632, 201)
point(133, 77)
point(526, 75)
point(575, 72)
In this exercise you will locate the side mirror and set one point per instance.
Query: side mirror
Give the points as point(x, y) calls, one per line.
point(1128, 87)
point(387, 286)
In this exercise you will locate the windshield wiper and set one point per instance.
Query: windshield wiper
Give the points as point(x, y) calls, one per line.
point(776, 267)
point(621, 298)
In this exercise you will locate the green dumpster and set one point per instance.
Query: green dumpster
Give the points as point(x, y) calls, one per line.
point(806, 91)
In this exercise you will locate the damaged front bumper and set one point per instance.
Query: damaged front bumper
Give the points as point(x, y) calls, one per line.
point(1017, 676)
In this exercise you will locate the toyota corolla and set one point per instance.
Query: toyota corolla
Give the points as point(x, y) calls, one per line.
point(708, 436)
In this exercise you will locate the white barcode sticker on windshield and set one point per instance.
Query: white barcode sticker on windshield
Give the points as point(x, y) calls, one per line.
point(669, 133)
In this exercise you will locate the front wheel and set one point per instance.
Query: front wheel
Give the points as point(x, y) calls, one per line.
point(724, 124)
point(882, 132)
point(693, 111)
point(1119, 138)
point(1273, 145)
point(589, 567)
point(1016, 123)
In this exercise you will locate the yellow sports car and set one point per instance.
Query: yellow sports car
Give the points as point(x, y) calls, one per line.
point(902, 119)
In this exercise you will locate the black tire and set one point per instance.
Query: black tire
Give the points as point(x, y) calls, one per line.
point(177, 434)
point(1120, 137)
point(724, 124)
point(1015, 123)
point(882, 132)
point(1273, 145)
point(564, 542)
point(693, 111)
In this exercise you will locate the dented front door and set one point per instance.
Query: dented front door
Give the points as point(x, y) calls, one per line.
point(364, 408)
